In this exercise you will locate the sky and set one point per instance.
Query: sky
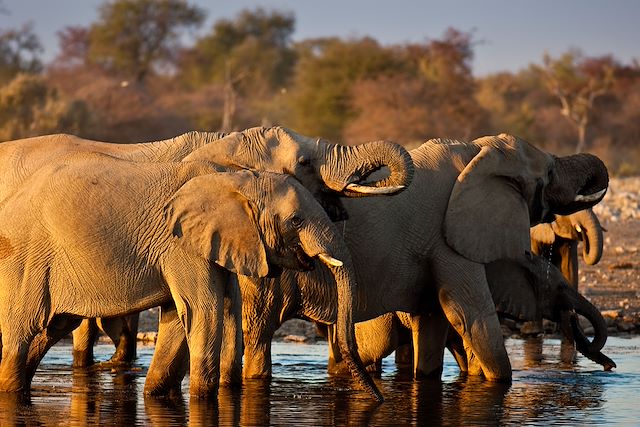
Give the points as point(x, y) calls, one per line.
point(510, 34)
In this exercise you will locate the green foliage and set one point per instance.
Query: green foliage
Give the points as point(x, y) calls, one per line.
point(253, 51)
point(19, 50)
point(134, 35)
point(319, 99)
point(28, 108)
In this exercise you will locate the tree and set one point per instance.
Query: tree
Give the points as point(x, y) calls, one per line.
point(251, 54)
point(133, 36)
point(577, 82)
point(19, 52)
point(74, 47)
point(431, 93)
point(320, 96)
point(28, 107)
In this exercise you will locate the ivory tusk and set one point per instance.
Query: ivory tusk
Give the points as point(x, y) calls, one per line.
point(364, 189)
point(329, 260)
point(578, 228)
point(590, 197)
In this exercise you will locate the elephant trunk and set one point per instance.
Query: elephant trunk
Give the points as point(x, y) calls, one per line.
point(347, 167)
point(587, 225)
point(582, 181)
point(583, 307)
point(336, 257)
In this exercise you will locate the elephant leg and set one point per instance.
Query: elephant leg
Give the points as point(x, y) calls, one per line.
point(171, 358)
point(335, 364)
point(16, 340)
point(404, 355)
point(58, 328)
point(468, 305)
point(198, 293)
point(457, 350)
point(429, 335)
point(84, 337)
point(231, 355)
point(123, 332)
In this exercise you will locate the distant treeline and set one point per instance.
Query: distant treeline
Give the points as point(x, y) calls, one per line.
point(129, 76)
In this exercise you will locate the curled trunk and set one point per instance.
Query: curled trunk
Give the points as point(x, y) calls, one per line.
point(591, 232)
point(581, 182)
point(347, 168)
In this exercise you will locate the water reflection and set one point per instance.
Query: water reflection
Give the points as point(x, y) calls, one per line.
point(545, 390)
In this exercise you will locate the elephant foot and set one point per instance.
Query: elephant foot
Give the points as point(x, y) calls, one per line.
point(82, 358)
point(201, 390)
point(339, 368)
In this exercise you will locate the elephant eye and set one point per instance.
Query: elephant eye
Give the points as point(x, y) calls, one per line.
point(296, 221)
point(304, 161)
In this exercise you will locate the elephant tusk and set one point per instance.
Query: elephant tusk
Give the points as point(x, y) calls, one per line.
point(591, 197)
point(578, 228)
point(329, 260)
point(364, 189)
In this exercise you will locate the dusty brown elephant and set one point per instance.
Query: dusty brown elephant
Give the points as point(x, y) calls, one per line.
point(327, 170)
point(469, 204)
point(182, 230)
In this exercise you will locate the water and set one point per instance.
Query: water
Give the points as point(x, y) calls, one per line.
point(545, 391)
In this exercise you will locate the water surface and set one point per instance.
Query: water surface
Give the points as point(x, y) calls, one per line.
point(544, 391)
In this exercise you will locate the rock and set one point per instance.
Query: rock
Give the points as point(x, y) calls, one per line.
point(612, 314)
point(147, 336)
point(625, 326)
point(297, 338)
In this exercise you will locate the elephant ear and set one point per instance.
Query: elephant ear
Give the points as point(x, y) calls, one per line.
point(543, 233)
point(210, 218)
point(511, 289)
point(488, 213)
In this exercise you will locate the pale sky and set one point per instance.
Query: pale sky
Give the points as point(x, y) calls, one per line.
point(511, 33)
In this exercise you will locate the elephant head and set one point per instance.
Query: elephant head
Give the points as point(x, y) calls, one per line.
point(582, 226)
point(535, 289)
point(262, 220)
point(510, 186)
point(327, 170)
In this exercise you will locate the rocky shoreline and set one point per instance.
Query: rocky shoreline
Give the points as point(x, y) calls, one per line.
point(613, 285)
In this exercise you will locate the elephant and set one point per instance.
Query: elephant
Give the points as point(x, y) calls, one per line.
point(90, 235)
point(521, 290)
point(470, 203)
point(559, 241)
point(327, 170)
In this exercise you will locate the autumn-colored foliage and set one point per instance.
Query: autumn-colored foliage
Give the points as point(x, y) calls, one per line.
point(132, 76)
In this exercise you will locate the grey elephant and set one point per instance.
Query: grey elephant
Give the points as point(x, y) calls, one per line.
point(556, 241)
point(327, 170)
point(90, 235)
point(520, 290)
point(469, 204)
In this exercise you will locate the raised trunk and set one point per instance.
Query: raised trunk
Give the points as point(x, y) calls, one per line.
point(346, 168)
point(591, 232)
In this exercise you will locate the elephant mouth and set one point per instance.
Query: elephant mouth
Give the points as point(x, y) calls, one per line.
point(305, 262)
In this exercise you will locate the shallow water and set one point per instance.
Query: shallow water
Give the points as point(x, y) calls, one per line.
point(544, 391)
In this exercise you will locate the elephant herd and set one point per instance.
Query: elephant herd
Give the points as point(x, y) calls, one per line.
point(231, 234)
